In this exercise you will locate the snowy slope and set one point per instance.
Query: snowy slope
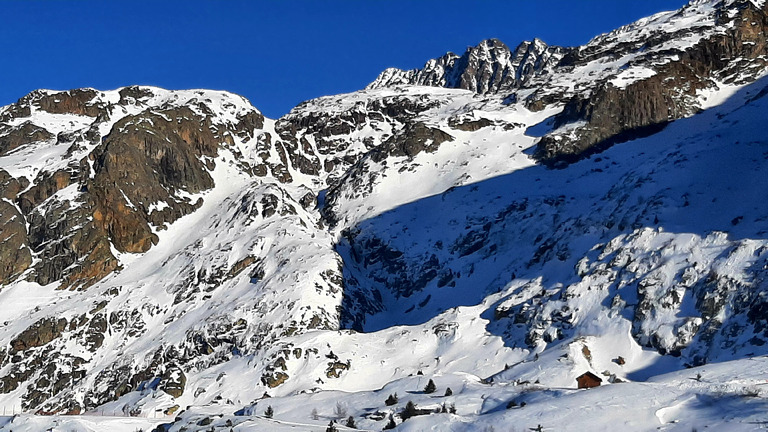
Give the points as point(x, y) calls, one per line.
point(366, 243)
point(613, 279)
point(191, 290)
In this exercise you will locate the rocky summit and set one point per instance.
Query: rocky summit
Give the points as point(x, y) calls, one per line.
point(458, 247)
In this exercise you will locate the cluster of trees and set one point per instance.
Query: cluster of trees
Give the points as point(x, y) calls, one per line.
point(428, 389)
point(350, 423)
point(431, 388)
point(410, 410)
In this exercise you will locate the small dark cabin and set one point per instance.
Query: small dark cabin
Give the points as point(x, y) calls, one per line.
point(588, 380)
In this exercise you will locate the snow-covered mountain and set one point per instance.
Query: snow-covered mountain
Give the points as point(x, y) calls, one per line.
point(500, 223)
point(490, 67)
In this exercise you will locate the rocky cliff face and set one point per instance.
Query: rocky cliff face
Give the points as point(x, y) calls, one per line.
point(164, 249)
point(490, 67)
point(97, 180)
point(621, 85)
point(616, 111)
point(110, 174)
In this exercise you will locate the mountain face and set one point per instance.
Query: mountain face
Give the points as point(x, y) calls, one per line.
point(618, 86)
point(490, 67)
point(500, 222)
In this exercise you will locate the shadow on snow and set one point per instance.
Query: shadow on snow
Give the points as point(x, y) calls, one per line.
point(523, 233)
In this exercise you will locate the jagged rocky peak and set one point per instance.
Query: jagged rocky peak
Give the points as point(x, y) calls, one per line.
point(489, 67)
point(532, 57)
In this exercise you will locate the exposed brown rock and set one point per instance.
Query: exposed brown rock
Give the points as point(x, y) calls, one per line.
point(16, 110)
point(77, 239)
point(78, 101)
point(335, 369)
point(146, 159)
point(412, 140)
point(241, 265)
point(45, 186)
point(308, 201)
point(38, 334)
point(24, 134)
point(172, 410)
point(10, 186)
point(132, 94)
point(248, 123)
point(274, 380)
point(173, 381)
point(15, 255)
point(468, 125)
point(617, 114)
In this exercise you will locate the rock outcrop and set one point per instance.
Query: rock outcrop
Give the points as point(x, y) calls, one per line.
point(609, 113)
point(489, 67)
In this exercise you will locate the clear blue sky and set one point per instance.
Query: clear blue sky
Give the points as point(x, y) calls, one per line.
point(275, 53)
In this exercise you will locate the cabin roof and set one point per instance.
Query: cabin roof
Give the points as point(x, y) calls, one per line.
point(590, 375)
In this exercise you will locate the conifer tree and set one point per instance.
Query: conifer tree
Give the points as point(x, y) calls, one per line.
point(409, 411)
point(391, 424)
point(430, 388)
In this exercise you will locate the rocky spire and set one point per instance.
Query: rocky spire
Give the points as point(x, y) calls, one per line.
point(489, 67)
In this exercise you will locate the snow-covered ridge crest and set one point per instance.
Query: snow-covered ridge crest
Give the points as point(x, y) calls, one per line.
point(489, 67)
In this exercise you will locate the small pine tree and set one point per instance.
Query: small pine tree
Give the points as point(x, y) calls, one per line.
point(448, 392)
point(351, 423)
point(443, 409)
point(452, 409)
point(409, 411)
point(331, 427)
point(391, 400)
point(391, 424)
point(269, 412)
point(430, 388)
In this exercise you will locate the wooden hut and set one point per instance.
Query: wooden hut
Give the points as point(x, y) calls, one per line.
point(588, 380)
